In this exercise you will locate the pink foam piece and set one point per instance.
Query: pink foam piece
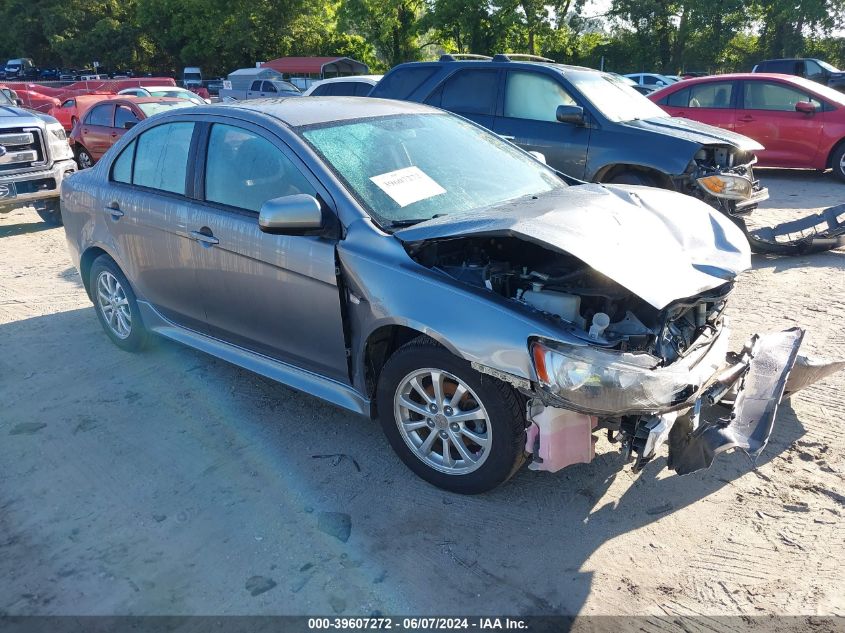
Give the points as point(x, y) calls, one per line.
point(565, 438)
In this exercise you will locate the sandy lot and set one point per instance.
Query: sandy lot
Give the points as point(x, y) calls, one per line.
point(172, 483)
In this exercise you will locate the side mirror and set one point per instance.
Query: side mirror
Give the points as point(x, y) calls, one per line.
point(19, 102)
point(570, 114)
point(290, 215)
point(806, 107)
point(128, 125)
point(540, 156)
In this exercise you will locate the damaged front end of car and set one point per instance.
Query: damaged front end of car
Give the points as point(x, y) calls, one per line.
point(723, 177)
point(631, 358)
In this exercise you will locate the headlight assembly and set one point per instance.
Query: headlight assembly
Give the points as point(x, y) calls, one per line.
point(605, 382)
point(729, 186)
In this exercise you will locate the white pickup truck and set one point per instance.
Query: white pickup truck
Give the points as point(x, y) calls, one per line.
point(261, 88)
point(34, 159)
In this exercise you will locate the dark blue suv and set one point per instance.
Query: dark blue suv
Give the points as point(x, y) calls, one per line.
point(587, 124)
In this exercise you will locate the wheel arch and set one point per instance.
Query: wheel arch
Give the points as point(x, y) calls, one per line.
point(86, 261)
point(607, 172)
point(833, 151)
point(384, 340)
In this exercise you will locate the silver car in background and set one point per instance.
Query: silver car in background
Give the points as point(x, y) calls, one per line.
point(410, 266)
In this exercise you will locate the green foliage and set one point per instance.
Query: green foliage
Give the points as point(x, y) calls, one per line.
point(221, 35)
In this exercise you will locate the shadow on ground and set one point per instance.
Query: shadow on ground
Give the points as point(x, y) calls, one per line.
point(172, 483)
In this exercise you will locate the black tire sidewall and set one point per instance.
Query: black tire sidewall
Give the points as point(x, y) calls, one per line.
point(836, 163)
point(138, 334)
point(81, 151)
point(505, 419)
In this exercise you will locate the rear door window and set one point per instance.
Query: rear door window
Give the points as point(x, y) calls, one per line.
point(161, 159)
point(101, 115)
point(534, 96)
point(717, 95)
point(468, 92)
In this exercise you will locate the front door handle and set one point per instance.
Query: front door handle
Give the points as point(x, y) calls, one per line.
point(746, 119)
point(507, 138)
point(206, 239)
point(113, 210)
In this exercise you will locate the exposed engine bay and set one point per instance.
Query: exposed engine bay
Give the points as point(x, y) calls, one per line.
point(566, 290)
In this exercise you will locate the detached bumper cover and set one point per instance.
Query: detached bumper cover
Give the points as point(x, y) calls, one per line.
point(815, 233)
point(693, 446)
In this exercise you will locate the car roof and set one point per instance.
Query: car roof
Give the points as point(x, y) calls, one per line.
point(355, 78)
point(692, 81)
point(298, 112)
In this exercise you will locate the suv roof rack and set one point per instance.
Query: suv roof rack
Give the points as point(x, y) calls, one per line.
point(506, 57)
point(451, 57)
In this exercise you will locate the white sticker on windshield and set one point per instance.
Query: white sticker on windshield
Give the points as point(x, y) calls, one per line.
point(407, 186)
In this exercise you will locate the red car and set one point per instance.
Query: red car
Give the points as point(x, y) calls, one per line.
point(104, 123)
point(71, 109)
point(801, 123)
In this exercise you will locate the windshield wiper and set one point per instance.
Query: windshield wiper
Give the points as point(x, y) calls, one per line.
point(398, 224)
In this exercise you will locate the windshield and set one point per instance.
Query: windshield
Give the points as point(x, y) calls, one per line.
point(825, 92)
point(828, 67)
point(409, 168)
point(193, 77)
point(614, 98)
point(149, 109)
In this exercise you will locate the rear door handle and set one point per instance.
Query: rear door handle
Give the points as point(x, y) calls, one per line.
point(204, 238)
point(113, 210)
point(746, 119)
point(507, 138)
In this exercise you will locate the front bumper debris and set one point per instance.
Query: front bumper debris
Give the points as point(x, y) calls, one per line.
point(736, 408)
point(815, 233)
point(710, 429)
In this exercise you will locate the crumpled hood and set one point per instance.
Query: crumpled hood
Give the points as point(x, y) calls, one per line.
point(660, 245)
point(695, 132)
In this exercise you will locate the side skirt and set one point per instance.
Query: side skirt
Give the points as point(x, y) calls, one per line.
point(308, 382)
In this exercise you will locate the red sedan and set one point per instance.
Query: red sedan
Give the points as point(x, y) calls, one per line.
point(104, 123)
point(800, 122)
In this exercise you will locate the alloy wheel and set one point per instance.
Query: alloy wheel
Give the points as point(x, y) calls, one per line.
point(442, 421)
point(114, 305)
point(85, 160)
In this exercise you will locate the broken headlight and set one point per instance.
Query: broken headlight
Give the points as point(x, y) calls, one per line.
point(604, 382)
point(729, 186)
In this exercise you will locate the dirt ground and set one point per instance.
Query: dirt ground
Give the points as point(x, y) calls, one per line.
point(172, 483)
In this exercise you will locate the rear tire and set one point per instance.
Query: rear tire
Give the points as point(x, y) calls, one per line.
point(424, 429)
point(84, 158)
point(50, 213)
point(116, 305)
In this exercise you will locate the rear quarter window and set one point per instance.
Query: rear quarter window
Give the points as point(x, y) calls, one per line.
point(400, 83)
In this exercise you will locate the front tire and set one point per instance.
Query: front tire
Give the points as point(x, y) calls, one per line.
point(837, 162)
point(116, 305)
point(454, 427)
